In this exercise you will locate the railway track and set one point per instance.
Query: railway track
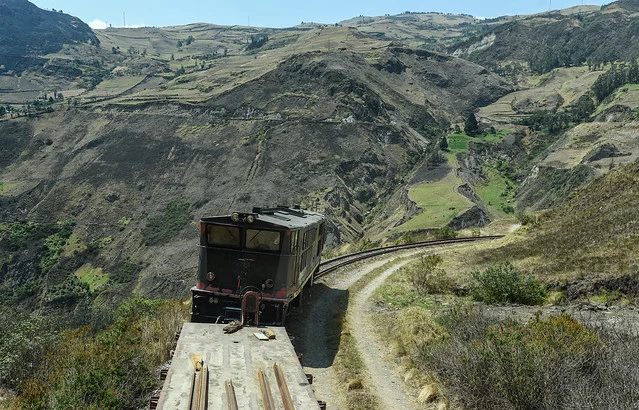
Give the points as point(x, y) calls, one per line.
point(333, 264)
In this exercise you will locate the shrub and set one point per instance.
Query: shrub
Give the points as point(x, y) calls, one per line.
point(23, 341)
point(426, 277)
point(19, 233)
point(508, 209)
point(54, 244)
point(100, 243)
point(543, 364)
point(126, 272)
point(124, 222)
point(526, 219)
point(445, 233)
point(503, 283)
point(363, 245)
point(110, 368)
point(415, 329)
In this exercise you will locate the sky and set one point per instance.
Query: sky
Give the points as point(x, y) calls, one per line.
point(281, 13)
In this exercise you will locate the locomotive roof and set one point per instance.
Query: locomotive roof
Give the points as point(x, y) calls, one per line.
point(283, 217)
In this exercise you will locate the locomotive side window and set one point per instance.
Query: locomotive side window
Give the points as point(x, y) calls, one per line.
point(321, 239)
point(309, 238)
point(262, 240)
point(220, 235)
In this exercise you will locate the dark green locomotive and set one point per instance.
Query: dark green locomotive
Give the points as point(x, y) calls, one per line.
point(253, 265)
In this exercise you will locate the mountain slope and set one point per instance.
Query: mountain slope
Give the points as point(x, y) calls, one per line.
point(27, 32)
point(554, 39)
point(334, 131)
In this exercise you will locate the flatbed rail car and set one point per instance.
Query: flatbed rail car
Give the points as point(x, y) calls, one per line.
point(253, 265)
point(241, 371)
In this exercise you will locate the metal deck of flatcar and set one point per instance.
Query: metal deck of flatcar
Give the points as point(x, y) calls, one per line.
point(237, 358)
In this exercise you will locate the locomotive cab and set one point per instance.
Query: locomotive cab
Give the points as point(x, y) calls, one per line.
point(253, 265)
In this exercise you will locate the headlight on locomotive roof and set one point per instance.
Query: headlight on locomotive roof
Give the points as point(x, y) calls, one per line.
point(235, 217)
point(250, 219)
point(210, 276)
point(269, 283)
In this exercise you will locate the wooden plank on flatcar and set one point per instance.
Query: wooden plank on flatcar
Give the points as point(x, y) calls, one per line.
point(284, 390)
point(231, 398)
point(265, 387)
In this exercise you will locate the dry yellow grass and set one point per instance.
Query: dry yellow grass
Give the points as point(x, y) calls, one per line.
point(409, 331)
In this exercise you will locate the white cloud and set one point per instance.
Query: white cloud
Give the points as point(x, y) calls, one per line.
point(98, 24)
point(101, 25)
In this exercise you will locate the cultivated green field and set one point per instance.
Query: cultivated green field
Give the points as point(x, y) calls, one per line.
point(458, 142)
point(114, 86)
point(497, 192)
point(5, 187)
point(439, 201)
point(556, 89)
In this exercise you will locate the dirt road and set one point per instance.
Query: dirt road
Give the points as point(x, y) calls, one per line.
point(318, 351)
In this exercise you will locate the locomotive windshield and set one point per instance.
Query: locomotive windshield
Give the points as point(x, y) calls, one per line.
point(262, 240)
point(220, 235)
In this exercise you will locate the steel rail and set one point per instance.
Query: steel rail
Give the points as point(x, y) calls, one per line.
point(333, 264)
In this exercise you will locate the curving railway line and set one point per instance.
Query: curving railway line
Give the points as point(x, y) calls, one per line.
point(333, 264)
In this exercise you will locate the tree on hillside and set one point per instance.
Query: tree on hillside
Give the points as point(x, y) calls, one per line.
point(615, 77)
point(443, 144)
point(583, 108)
point(471, 127)
point(257, 41)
